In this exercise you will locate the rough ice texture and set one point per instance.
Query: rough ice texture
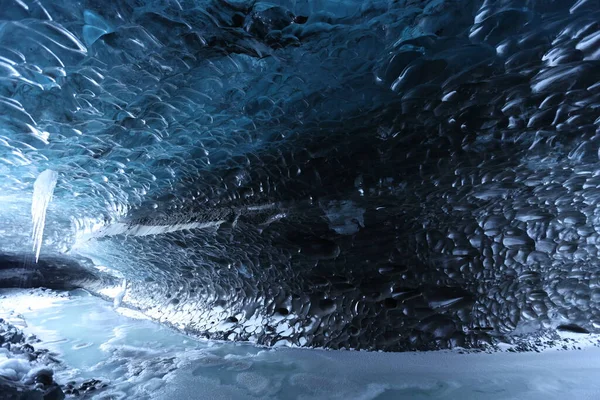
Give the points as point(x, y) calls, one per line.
point(25, 372)
point(125, 359)
point(364, 174)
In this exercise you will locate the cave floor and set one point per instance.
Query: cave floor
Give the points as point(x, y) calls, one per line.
point(140, 359)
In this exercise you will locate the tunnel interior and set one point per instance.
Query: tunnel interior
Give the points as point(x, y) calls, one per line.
point(377, 175)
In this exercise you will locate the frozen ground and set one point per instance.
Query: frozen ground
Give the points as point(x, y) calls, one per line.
point(140, 359)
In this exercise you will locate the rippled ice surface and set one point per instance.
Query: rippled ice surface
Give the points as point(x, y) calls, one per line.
point(144, 360)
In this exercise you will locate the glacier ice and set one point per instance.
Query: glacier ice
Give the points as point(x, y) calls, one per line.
point(139, 359)
point(382, 175)
point(120, 294)
point(43, 189)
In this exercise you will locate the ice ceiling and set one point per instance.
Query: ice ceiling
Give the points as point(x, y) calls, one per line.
point(349, 174)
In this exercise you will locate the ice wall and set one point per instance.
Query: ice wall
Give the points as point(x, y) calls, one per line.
point(382, 175)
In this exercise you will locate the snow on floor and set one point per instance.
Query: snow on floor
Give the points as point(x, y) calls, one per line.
point(143, 360)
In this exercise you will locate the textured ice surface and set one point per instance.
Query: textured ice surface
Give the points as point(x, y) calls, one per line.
point(375, 174)
point(139, 359)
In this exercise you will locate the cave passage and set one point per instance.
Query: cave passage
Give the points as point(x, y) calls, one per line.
point(347, 174)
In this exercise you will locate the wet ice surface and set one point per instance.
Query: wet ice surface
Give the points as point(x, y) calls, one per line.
point(143, 360)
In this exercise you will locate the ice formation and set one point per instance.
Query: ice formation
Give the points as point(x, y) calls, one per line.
point(105, 355)
point(382, 175)
point(43, 188)
point(120, 294)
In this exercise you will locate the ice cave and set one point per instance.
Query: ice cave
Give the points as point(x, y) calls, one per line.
point(299, 199)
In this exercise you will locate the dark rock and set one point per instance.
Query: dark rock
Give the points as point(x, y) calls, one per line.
point(54, 393)
point(572, 328)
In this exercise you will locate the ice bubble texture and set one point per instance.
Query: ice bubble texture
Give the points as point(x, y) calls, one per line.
point(374, 174)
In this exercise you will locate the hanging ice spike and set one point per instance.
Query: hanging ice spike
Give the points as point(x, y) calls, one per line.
point(43, 188)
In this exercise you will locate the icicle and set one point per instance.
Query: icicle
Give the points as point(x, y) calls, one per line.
point(43, 188)
point(119, 297)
